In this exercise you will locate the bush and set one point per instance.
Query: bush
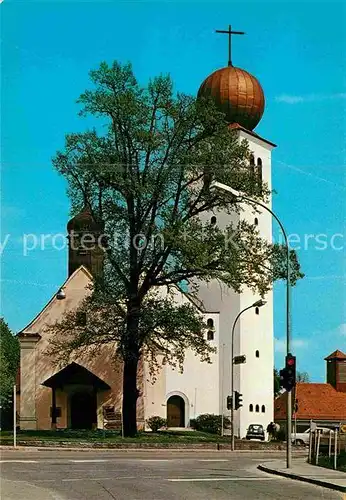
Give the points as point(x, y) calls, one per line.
point(155, 423)
point(209, 423)
point(325, 461)
point(192, 423)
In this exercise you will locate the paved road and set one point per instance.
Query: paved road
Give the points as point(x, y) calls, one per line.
point(146, 475)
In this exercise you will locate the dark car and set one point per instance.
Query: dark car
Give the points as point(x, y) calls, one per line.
point(255, 431)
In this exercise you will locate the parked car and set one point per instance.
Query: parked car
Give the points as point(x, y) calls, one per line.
point(302, 438)
point(255, 431)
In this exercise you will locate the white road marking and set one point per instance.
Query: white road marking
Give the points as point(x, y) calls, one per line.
point(205, 479)
point(88, 461)
point(73, 479)
point(43, 481)
point(158, 460)
point(213, 460)
point(98, 478)
point(19, 461)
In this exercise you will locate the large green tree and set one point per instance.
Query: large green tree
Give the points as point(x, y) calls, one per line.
point(9, 363)
point(145, 175)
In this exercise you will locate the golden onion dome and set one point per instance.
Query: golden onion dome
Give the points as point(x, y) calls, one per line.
point(237, 94)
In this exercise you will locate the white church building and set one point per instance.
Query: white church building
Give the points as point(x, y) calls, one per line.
point(203, 388)
point(84, 392)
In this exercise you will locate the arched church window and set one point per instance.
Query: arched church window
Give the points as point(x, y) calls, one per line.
point(263, 409)
point(210, 335)
point(257, 310)
point(213, 220)
point(210, 323)
point(250, 407)
point(257, 408)
point(257, 354)
point(252, 167)
point(256, 221)
point(259, 174)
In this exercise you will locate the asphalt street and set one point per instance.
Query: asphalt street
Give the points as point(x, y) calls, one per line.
point(146, 475)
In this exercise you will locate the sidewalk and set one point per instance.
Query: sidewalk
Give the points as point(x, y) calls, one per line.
point(302, 471)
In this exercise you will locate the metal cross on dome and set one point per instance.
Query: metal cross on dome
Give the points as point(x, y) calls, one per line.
point(230, 33)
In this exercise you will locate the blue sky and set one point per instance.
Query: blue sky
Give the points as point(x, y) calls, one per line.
point(295, 49)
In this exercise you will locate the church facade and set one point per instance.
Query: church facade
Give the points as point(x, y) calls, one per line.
point(87, 392)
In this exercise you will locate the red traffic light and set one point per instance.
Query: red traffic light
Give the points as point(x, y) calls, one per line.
point(291, 361)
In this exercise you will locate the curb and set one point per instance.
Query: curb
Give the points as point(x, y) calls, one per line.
point(63, 445)
point(124, 449)
point(304, 479)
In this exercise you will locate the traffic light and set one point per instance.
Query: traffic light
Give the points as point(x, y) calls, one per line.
point(238, 400)
point(229, 402)
point(288, 374)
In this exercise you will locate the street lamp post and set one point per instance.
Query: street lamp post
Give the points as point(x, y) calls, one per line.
point(240, 197)
point(259, 303)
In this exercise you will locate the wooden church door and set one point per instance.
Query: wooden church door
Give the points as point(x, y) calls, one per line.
point(175, 412)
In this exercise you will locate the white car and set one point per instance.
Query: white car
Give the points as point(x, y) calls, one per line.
point(302, 438)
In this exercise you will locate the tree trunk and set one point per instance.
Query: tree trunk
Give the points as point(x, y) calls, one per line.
point(131, 359)
point(130, 395)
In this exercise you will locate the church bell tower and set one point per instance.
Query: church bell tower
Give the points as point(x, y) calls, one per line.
point(240, 97)
point(85, 237)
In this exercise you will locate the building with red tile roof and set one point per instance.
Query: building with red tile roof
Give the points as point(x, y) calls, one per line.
point(325, 403)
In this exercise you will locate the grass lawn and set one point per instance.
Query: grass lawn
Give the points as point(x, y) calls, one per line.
point(6, 437)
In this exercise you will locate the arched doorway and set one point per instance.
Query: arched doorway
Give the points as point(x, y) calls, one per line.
point(175, 412)
point(83, 410)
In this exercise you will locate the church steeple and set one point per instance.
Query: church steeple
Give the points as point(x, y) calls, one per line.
point(235, 92)
point(85, 245)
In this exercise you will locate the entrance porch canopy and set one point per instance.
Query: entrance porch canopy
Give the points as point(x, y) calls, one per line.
point(75, 374)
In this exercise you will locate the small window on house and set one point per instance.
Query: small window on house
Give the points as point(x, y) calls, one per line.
point(257, 408)
point(210, 335)
point(251, 407)
point(81, 318)
point(213, 220)
point(256, 221)
point(257, 354)
point(257, 310)
point(263, 409)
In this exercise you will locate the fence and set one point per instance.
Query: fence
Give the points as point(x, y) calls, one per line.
point(326, 442)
